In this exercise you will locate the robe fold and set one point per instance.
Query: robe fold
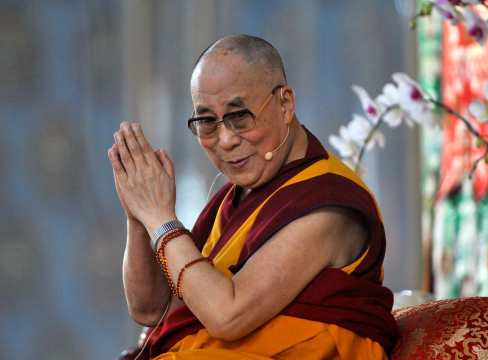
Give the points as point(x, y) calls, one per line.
point(341, 314)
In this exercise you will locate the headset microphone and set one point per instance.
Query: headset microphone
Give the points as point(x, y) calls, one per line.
point(269, 155)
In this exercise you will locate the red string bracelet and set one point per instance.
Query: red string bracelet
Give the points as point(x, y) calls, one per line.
point(182, 271)
point(160, 255)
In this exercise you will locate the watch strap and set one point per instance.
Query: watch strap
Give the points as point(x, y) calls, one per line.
point(163, 230)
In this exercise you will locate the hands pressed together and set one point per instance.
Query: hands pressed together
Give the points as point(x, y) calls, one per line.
point(144, 177)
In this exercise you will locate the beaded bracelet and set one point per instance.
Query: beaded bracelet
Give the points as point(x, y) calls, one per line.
point(182, 271)
point(161, 257)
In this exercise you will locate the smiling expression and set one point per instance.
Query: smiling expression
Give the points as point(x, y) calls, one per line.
point(223, 82)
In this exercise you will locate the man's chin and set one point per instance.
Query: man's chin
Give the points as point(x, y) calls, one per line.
point(243, 180)
point(248, 182)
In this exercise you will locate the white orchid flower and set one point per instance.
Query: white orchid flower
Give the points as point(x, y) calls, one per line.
point(344, 133)
point(448, 11)
point(390, 97)
point(370, 108)
point(346, 149)
point(412, 100)
point(359, 128)
point(476, 26)
point(377, 138)
point(344, 144)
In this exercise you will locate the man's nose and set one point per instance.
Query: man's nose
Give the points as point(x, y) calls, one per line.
point(227, 138)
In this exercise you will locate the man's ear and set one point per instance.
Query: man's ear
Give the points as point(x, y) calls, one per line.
point(287, 101)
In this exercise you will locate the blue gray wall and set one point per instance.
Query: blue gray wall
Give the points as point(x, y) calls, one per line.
point(70, 71)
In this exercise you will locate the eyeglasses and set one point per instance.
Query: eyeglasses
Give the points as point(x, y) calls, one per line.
point(205, 127)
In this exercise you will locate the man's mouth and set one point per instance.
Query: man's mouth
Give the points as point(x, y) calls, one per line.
point(237, 163)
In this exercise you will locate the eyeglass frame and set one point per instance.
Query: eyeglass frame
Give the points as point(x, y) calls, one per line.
point(225, 121)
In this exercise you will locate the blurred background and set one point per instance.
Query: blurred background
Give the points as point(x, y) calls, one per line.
point(71, 71)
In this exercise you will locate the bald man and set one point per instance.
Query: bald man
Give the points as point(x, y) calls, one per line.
point(285, 261)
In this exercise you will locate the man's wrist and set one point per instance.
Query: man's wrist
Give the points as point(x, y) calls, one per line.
point(163, 230)
point(132, 220)
point(134, 225)
point(153, 224)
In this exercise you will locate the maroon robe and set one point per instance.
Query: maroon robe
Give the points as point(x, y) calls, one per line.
point(357, 302)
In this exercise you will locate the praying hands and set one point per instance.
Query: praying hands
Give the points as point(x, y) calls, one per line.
point(144, 178)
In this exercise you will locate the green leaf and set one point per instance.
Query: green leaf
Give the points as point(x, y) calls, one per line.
point(479, 142)
point(413, 24)
point(426, 9)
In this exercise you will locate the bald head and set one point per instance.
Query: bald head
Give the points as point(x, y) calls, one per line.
point(254, 51)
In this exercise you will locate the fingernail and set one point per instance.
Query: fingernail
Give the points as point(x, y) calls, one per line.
point(136, 126)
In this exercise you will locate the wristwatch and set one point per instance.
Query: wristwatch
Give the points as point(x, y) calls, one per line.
point(163, 230)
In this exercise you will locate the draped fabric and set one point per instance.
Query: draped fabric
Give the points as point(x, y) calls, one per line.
point(339, 310)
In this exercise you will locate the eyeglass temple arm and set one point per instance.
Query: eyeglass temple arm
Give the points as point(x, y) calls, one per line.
point(267, 100)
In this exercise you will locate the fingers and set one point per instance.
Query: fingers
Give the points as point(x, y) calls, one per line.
point(166, 162)
point(129, 148)
point(135, 150)
point(146, 148)
point(117, 166)
point(123, 151)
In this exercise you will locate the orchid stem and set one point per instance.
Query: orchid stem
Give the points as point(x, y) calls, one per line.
point(371, 133)
point(440, 105)
point(470, 128)
point(459, 116)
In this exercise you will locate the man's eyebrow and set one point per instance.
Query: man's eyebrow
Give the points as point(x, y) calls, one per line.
point(237, 102)
point(201, 109)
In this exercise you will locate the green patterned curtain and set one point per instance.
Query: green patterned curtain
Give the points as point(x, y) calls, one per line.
point(455, 225)
point(429, 35)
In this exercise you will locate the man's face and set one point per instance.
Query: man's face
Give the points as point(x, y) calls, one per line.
point(224, 83)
